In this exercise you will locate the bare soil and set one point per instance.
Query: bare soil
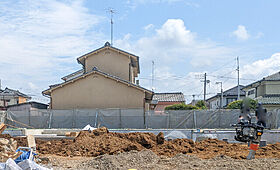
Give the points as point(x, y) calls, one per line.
point(146, 159)
point(101, 142)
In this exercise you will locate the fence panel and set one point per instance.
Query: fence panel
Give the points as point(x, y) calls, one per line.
point(129, 118)
point(86, 116)
point(62, 119)
point(109, 118)
point(181, 119)
point(18, 118)
point(39, 119)
point(157, 121)
point(227, 118)
point(133, 118)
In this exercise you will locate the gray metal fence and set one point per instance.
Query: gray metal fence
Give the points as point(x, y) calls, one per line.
point(129, 118)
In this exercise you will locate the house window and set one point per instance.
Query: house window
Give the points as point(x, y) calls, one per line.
point(251, 92)
point(229, 100)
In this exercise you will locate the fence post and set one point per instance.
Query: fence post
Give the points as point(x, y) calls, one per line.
point(73, 118)
point(277, 118)
point(120, 116)
point(194, 119)
point(29, 117)
point(50, 119)
point(96, 118)
point(221, 111)
point(168, 120)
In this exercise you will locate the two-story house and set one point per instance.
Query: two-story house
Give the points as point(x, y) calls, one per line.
point(229, 96)
point(107, 80)
point(266, 91)
point(10, 97)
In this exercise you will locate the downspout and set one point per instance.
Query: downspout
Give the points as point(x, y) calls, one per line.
point(256, 88)
point(129, 71)
point(144, 111)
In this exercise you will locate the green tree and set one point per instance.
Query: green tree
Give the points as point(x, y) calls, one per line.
point(238, 103)
point(181, 106)
point(201, 104)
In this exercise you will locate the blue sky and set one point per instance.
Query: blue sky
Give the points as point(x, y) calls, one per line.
point(40, 41)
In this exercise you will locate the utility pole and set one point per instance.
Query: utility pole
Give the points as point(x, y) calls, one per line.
point(222, 95)
point(205, 81)
point(153, 74)
point(204, 97)
point(238, 87)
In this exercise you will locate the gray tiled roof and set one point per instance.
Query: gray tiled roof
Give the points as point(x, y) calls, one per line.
point(11, 92)
point(269, 100)
point(233, 91)
point(103, 73)
point(275, 76)
point(230, 92)
point(79, 72)
point(169, 97)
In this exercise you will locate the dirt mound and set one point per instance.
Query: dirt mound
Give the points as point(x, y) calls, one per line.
point(101, 142)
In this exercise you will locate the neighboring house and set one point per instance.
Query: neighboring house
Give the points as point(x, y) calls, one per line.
point(107, 80)
point(162, 100)
point(194, 102)
point(27, 106)
point(229, 96)
point(11, 97)
point(266, 91)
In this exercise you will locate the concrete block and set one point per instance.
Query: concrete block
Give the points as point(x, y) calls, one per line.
point(27, 132)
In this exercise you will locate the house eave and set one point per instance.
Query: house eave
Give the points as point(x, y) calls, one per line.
point(146, 91)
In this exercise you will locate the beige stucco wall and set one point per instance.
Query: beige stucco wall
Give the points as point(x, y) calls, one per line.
point(110, 62)
point(272, 87)
point(96, 91)
point(271, 107)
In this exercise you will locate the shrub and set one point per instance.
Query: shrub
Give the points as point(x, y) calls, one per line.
point(201, 104)
point(238, 103)
point(181, 106)
point(235, 104)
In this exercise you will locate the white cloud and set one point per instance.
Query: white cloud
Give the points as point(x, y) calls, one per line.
point(262, 68)
point(241, 33)
point(170, 46)
point(173, 42)
point(149, 26)
point(40, 40)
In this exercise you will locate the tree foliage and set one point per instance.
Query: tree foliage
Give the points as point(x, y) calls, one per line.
point(181, 106)
point(238, 103)
point(201, 104)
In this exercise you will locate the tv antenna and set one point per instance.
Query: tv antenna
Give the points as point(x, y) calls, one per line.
point(153, 74)
point(111, 11)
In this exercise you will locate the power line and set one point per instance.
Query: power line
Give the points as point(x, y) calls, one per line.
point(230, 77)
point(226, 64)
